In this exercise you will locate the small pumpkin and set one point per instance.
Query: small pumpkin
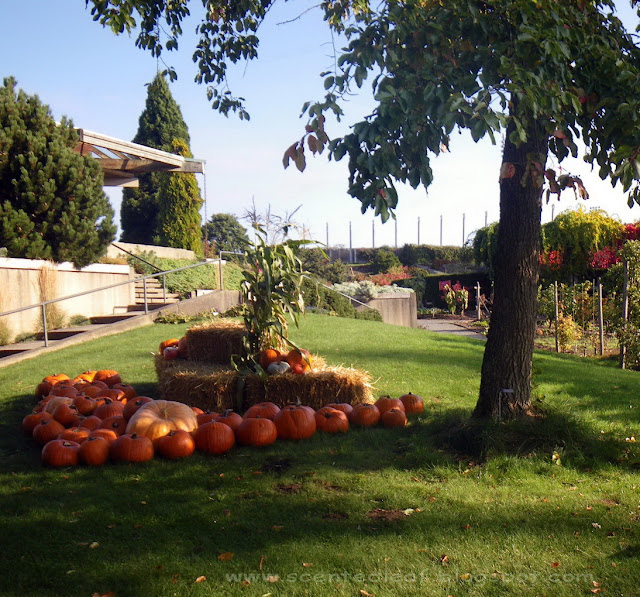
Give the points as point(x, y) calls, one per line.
point(67, 414)
point(277, 368)
point(131, 447)
point(85, 404)
point(264, 410)
point(268, 356)
point(51, 402)
point(91, 422)
point(257, 432)
point(94, 451)
point(156, 418)
point(166, 343)
point(230, 418)
point(60, 452)
point(214, 438)
point(132, 406)
point(110, 408)
point(117, 424)
point(295, 422)
point(345, 407)
point(394, 417)
point(183, 348)
point(331, 420)
point(86, 376)
point(115, 395)
point(385, 403)
point(107, 434)
point(95, 389)
point(46, 430)
point(299, 360)
point(413, 404)
point(33, 419)
point(206, 417)
point(75, 434)
point(170, 353)
point(129, 390)
point(178, 443)
point(364, 415)
point(108, 376)
point(62, 389)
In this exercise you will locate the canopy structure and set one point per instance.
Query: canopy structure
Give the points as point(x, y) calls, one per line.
point(123, 161)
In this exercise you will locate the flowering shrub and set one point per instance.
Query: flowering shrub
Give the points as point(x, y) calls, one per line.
point(395, 273)
point(552, 259)
point(605, 258)
point(456, 297)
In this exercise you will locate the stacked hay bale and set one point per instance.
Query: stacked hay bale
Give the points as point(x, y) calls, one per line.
point(207, 380)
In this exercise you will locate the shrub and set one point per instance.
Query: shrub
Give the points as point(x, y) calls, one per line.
point(384, 260)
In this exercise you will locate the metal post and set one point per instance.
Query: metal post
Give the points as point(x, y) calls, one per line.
point(555, 300)
point(44, 324)
point(220, 271)
point(600, 319)
point(418, 230)
point(395, 223)
point(478, 313)
point(350, 245)
point(625, 310)
point(373, 234)
point(144, 290)
point(463, 222)
point(164, 289)
point(441, 230)
point(486, 216)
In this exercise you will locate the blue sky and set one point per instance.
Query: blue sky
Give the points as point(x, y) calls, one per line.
point(86, 73)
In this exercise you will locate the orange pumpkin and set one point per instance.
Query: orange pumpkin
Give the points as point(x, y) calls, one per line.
point(156, 418)
point(413, 404)
point(178, 443)
point(299, 360)
point(59, 452)
point(364, 415)
point(133, 405)
point(295, 422)
point(385, 403)
point(331, 420)
point(345, 407)
point(30, 421)
point(214, 438)
point(75, 434)
point(268, 356)
point(131, 448)
point(94, 451)
point(394, 417)
point(229, 418)
point(256, 431)
point(108, 376)
point(167, 343)
point(265, 410)
point(46, 430)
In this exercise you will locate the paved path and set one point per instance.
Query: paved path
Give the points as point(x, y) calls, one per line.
point(445, 326)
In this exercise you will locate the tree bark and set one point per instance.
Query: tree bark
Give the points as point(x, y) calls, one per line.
point(508, 355)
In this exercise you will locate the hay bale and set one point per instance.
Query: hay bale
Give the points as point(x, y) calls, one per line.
point(216, 342)
point(214, 387)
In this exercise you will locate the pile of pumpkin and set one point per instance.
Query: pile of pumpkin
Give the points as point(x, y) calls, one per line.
point(95, 417)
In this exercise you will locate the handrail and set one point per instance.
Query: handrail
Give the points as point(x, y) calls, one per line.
point(158, 269)
point(43, 304)
point(351, 298)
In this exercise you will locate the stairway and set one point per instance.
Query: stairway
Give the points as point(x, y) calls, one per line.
point(156, 299)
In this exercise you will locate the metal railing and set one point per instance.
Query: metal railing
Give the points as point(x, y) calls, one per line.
point(155, 267)
point(43, 304)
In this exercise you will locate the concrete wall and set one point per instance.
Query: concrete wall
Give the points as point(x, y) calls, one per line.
point(165, 252)
point(19, 287)
point(396, 309)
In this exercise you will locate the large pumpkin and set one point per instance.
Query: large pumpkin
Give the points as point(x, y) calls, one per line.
point(94, 451)
point(331, 420)
point(155, 419)
point(131, 448)
point(59, 452)
point(256, 431)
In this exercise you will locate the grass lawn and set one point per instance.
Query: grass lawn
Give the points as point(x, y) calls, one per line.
point(441, 507)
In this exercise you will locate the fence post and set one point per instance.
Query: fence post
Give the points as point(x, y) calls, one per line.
point(555, 300)
point(478, 313)
point(600, 319)
point(625, 310)
point(144, 291)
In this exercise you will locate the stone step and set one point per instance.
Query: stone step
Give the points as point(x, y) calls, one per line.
point(104, 319)
point(61, 333)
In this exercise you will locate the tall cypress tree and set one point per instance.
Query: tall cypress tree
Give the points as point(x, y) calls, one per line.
point(160, 123)
point(52, 205)
point(179, 202)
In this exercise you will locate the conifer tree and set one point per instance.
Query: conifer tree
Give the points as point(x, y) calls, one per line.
point(179, 203)
point(159, 124)
point(52, 205)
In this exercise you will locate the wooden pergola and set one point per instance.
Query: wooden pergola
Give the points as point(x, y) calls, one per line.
point(123, 161)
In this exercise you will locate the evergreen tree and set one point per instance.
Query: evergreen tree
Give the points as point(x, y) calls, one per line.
point(52, 205)
point(179, 203)
point(159, 124)
point(225, 233)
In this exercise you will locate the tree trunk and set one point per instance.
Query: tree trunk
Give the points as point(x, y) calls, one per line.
point(508, 353)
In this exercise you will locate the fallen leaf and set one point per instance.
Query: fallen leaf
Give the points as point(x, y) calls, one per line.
point(595, 583)
point(307, 564)
point(226, 556)
point(143, 502)
point(555, 564)
point(277, 528)
point(70, 571)
point(465, 576)
point(273, 578)
point(444, 559)
point(363, 592)
point(227, 512)
point(201, 578)
point(245, 583)
point(466, 527)
point(94, 544)
point(595, 525)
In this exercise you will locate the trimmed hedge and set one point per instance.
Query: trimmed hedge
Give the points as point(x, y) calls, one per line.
point(317, 297)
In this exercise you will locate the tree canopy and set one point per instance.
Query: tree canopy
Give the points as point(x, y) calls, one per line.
point(52, 205)
point(225, 233)
point(554, 78)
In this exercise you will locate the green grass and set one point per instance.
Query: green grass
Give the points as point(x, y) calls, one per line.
point(442, 507)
